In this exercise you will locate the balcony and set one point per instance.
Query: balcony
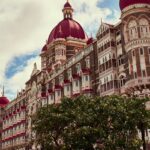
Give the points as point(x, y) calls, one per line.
point(43, 94)
point(50, 90)
point(58, 87)
point(137, 43)
point(137, 82)
point(76, 76)
point(86, 71)
point(67, 81)
point(109, 88)
point(110, 92)
point(107, 66)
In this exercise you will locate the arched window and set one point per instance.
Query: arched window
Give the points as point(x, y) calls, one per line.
point(122, 79)
point(144, 28)
point(78, 67)
point(132, 30)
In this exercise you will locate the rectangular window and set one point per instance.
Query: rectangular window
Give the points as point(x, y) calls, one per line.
point(143, 73)
point(99, 62)
point(58, 93)
point(119, 62)
point(107, 79)
point(68, 88)
point(111, 77)
point(77, 83)
point(103, 60)
point(133, 53)
point(135, 75)
point(86, 78)
point(149, 50)
point(141, 51)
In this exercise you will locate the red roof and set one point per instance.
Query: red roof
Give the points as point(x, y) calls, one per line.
point(126, 3)
point(67, 28)
point(67, 4)
point(90, 41)
point(3, 101)
point(44, 48)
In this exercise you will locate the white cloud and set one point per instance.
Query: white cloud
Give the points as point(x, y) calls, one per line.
point(25, 26)
point(17, 82)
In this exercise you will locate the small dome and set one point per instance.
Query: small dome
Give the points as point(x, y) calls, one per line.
point(44, 48)
point(3, 101)
point(126, 3)
point(67, 28)
point(90, 41)
point(67, 4)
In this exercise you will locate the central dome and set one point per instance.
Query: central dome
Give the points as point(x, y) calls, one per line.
point(67, 28)
point(126, 3)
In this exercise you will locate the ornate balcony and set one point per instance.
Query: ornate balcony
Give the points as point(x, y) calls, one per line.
point(137, 82)
point(50, 90)
point(88, 90)
point(137, 43)
point(76, 76)
point(43, 94)
point(67, 81)
point(58, 87)
point(86, 71)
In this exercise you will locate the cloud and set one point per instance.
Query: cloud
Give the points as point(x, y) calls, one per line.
point(18, 80)
point(25, 26)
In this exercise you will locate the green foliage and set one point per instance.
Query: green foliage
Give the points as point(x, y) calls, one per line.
point(108, 123)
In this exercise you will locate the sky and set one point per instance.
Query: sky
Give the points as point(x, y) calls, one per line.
point(25, 26)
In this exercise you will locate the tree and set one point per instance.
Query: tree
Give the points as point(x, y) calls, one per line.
point(49, 123)
point(110, 122)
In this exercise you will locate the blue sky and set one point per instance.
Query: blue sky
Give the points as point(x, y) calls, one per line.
point(18, 63)
point(112, 4)
point(26, 25)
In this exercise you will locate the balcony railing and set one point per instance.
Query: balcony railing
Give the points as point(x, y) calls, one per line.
point(137, 82)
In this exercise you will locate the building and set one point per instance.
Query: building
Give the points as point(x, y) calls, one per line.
point(13, 123)
point(3, 103)
point(116, 62)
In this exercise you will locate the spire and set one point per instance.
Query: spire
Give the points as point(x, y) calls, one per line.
point(34, 69)
point(17, 93)
point(35, 66)
point(67, 10)
point(3, 92)
point(101, 20)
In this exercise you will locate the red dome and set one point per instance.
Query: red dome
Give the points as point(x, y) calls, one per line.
point(126, 3)
point(67, 28)
point(3, 101)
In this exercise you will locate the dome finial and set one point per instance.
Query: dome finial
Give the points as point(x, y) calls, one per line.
point(67, 10)
point(3, 92)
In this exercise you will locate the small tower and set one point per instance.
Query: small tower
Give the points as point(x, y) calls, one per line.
point(3, 100)
point(67, 10)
